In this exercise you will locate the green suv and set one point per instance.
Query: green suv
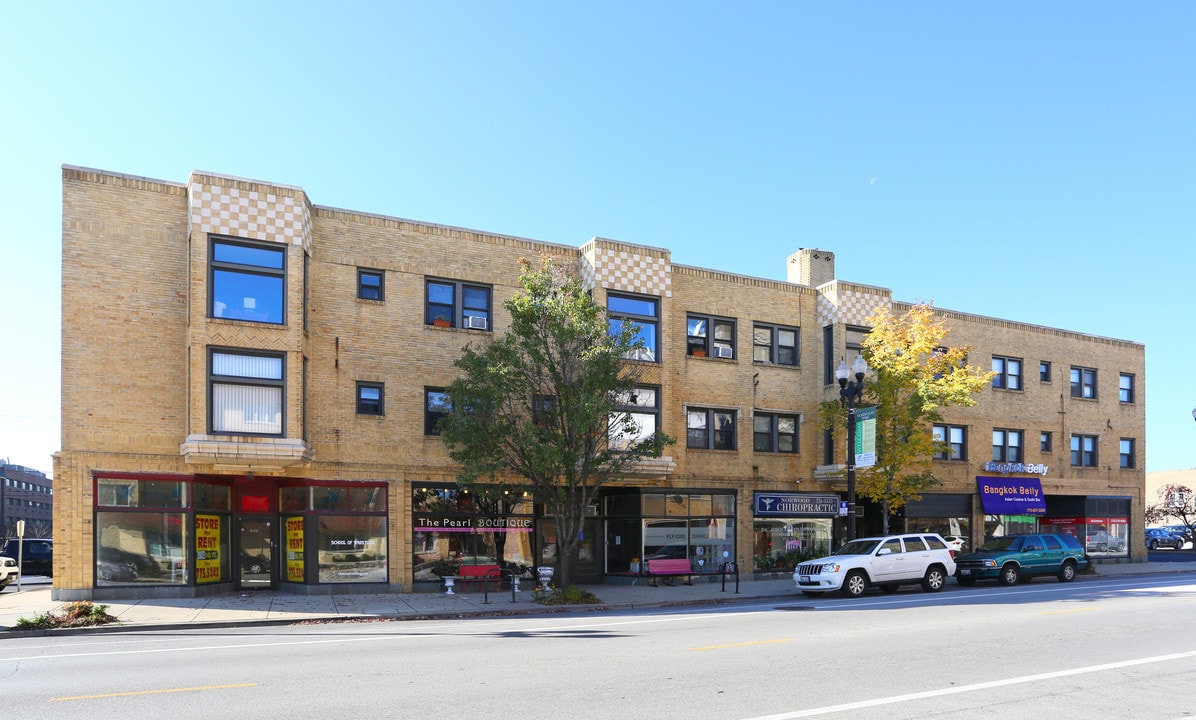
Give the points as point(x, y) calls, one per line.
point(1011, 558)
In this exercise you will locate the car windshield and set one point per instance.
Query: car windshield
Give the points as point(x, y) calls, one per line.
point(1003, 543)
point(857, 547)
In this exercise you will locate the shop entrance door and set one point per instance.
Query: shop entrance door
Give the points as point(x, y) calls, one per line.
point(255, 552)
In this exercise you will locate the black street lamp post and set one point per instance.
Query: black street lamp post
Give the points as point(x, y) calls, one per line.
point(849, 394)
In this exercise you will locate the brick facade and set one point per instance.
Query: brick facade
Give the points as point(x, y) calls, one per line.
point(138, 327)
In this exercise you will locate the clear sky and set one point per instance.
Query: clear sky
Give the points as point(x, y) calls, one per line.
point(1026, 160)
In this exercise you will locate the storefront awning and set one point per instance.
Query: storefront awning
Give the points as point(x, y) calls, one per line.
point(1011, 495)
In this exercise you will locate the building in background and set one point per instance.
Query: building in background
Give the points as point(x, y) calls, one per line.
point(25, 494)
point(251, 384)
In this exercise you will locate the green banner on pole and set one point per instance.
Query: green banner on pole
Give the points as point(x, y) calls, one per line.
point(865, 437)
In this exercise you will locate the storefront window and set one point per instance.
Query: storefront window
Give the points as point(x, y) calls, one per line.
point(699, 527)
point(141, 548)
point(352, 549)
point(1001, 525)
point(454, 527)
point(213, 498)
point(782, 543)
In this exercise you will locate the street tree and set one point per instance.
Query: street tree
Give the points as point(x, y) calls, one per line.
point(1175, 502)
point(914, 375)
point(548, 406)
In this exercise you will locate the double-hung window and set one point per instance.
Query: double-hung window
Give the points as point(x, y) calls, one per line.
point(1125, 388)
point(457, 304)
point(436, 405)
point(709, 429)
point(1008, 373)
point(247, 391)
point(641, 408)
point(371, 398)
point(708, 335)
point(1126, 452)
point(644, 316)
point(371, 284)
point(953, 440)
point(1083, 383)
point(774, 344)
point(1044, 371)
point(1007, 446)
point(774, 432)
point(1045, 439)
point(247, 281)
point(1083, 450)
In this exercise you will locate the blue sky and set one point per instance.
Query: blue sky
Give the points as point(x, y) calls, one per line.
point(1029, 161)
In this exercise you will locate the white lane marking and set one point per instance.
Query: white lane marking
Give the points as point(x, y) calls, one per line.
point(877, 702)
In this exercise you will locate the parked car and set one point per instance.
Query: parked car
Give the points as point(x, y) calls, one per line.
point(36, 554)
point(253, 563)
point(1104, 542)
point(143, 565)
point(1183, 530)
point(1162, 537)
point(112, 571)
point(9, 572)
point(955, 542)
point(884, 562)
point(1011, 558)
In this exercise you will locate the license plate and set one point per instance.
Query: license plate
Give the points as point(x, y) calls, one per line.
point(804, 578)
point(965, 571)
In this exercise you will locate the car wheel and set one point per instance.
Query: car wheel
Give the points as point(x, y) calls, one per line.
point(1153, 545)
point(811, 593)
point(854, 584)
point(889, 588)
point(104, 573)
point(1067, 573)
point(966, 581)
point(254, 568)
point(1179, 544)
point(1010, 574)
point(934, 580)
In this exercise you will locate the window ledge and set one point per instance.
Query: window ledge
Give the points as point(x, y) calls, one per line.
point(659, 467)
point(245, 454)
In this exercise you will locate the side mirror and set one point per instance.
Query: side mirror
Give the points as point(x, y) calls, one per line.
point(884, 551)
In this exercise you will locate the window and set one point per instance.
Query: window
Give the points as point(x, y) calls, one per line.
point(828, 355)
point(643, 314)
point(246, 392)
point(1008, 373)
point(1083, 450)
point(370, 397)
point(1126, 451)
point(954, 439)
point(1044, 441)
point(642, 404)
point(436, 405)
point(774, 344)
point(1083, 382)
point(774, 433)
point(711, 336)
point(1044, 371)
point(1125, 388)
point(247, 281)
point(707, 429)
point(459, 304)
point(1007, 446)
point(371, 284)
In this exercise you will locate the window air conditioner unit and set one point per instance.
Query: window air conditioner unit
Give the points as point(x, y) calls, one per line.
point(724, 352)
point(476, 323)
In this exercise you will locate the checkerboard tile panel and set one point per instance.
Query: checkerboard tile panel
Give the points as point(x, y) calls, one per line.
point(628, 271)
point(850, 307)
point(251, 214)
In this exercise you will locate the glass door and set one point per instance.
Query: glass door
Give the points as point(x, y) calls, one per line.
point(256, 553)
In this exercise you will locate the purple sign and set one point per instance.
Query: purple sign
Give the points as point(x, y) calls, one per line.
point(1011, 495)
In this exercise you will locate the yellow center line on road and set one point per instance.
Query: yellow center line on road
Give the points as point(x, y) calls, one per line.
point(743, 644)
point(153, 692)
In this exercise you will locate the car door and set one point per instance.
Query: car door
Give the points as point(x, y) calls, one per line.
point(916, 557)
point(1033, 556)
point(887, 561)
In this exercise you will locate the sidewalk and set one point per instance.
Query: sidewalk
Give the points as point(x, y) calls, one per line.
point(272, 607)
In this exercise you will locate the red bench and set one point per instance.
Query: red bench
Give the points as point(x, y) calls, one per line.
point(669, 568)
point(484, 574)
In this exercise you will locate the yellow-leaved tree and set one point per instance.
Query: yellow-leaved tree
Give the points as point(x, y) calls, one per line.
point(914, 374)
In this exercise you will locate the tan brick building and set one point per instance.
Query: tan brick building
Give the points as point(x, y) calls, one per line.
point(250, 382)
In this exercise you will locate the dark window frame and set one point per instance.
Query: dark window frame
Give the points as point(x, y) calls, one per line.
point(368, 291)
point(955, 451)
point(1085, 457)
point(1006, 378)
point(1046, 441)
point(369, 406)
point(432, 417)
point(775, 349)
point(708, 438)
point(1006, 450)
point(213, 380)
point(769, 441)
point(1126, 459)
point(639, 320)
point(469, 301)
point(246, 269)
point(709, 343)
point(1083, 382)
point(1125, 387)
point(654, 409)
point(1044, 371)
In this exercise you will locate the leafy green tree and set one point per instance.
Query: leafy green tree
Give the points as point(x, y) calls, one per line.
point(913, 375)
point(1176, 501)
point(545, 406)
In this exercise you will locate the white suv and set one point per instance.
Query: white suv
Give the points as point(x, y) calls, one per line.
point(886, 562)
point(8, 571)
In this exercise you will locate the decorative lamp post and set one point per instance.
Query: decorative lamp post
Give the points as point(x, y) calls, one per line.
point(849, 394)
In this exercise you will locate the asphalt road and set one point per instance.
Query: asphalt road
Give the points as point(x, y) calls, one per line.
point(1118, 647)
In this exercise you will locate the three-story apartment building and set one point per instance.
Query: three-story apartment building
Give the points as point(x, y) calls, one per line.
point(251, 384)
